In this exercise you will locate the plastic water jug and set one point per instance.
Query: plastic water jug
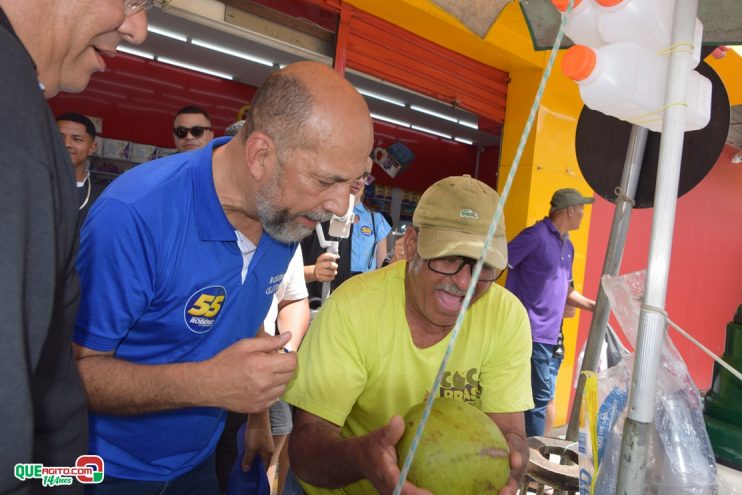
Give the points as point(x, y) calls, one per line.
point(582, 23)
point(645, 22)
point(627, 81)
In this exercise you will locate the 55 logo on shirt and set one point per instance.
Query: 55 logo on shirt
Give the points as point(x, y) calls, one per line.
point(203, 308)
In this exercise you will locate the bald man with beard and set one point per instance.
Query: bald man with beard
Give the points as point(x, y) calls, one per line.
point(164, 335)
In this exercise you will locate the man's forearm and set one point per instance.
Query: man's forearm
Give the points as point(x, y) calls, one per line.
point(574, 298)
point(309, 274)
point(247, 377)
point(518, 443)
point(116, 386)
point(294, 317)
point(324, 459)
point(512, 426)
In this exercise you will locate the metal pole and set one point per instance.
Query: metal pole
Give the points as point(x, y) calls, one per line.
point(652, 321)
point(614, 253)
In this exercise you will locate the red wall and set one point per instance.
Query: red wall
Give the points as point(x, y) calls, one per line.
point(137, 100)
point(435, 159)
point(705, 281)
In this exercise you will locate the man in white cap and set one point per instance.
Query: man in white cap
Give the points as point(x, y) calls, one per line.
point(379, 340)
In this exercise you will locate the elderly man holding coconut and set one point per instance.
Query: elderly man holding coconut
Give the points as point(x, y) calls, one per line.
point(377, 344)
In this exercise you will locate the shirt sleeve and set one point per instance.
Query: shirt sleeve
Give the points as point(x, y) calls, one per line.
point(506, 372)
point(296, 288)
point(382, 226)
point(330, 350)
point(521, 246)
point(117, 273)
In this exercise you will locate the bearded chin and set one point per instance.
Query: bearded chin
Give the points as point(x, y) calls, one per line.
point(285, 230)
point(278, 222)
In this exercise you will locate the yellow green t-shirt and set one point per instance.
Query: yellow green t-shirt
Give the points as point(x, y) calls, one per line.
point(358, 365)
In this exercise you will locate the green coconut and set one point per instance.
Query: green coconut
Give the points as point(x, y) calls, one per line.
point(461, 451)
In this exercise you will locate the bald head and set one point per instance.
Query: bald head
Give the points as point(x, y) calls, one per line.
point(307, 105)
point(306, 140)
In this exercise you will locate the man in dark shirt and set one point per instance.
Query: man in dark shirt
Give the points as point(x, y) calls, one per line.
point(47, 47)
point(78, 134)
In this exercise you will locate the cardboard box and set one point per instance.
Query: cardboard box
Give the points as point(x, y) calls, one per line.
point(115, 149)
point(139, 153)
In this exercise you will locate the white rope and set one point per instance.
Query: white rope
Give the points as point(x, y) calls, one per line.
point(708, 352)
point(648, 308)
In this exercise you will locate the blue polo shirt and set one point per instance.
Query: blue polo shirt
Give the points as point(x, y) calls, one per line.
point(539, 272)
point(161, 277)
point(367, 232)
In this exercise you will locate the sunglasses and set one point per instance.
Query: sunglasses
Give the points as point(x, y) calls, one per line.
point(196, 131)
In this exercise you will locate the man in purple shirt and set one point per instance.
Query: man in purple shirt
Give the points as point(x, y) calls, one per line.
point(539, 274)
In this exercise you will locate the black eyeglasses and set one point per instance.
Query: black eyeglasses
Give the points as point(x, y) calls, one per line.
point(131, 7)
point(196, 131)
point(451, 265)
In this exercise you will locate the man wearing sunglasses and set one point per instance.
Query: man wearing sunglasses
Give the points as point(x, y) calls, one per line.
point(191, 128)
point(378, 341)
point(47, 47)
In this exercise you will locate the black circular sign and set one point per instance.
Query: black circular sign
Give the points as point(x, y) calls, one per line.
point(602, 141)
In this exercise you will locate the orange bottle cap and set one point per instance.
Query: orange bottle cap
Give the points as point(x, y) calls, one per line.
point(562, 5)
point(578, 63)
point(609, 3)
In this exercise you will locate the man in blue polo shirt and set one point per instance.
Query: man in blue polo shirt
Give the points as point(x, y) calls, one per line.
point(179, 260)
point(368, 246)
point(539, 274)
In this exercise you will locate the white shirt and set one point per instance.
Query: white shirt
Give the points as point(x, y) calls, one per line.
point(292, 288)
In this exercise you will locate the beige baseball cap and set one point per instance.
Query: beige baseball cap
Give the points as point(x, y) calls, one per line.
point(453, 219)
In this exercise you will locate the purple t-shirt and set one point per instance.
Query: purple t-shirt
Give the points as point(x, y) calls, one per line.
point(539, 272)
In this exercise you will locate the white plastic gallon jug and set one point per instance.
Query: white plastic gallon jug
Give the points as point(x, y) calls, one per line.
point(645, 22)
point(627, 81)
point(582, 23)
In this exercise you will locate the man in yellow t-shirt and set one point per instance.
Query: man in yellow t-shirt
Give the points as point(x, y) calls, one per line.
point(378, 342)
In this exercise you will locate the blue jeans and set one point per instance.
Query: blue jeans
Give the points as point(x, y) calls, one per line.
point(542, 387)
point(200, 480)
point(556, 363)
point(292, 486)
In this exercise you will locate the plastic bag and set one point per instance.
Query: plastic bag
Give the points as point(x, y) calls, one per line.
point(603, 406)
point(680, 459)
